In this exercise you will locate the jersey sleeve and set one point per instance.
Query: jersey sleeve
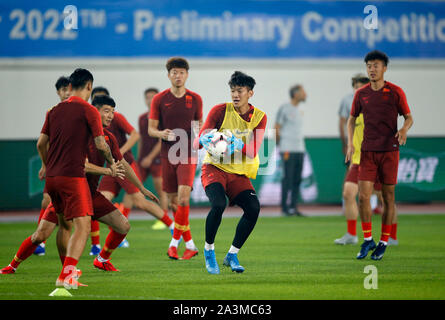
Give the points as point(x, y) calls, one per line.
point(94, 121)
point(251, 149)
point(45, 128)
point(198, 114)
point(123, 124)
point(114, 147)
point(402, 103)
point(356, 107)
point(154, 107)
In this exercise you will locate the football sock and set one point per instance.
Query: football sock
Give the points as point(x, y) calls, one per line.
point(190, 245)
point(367, 230)
point(386, 231)
point(42, 211)
point(126, 212)
point(69, 266)
point(233, 249)
point(181, 222)
point(209, 246)
point(95, 232)
point(216, 194)
point(352, 227)
point(394, 231)
point(26, 249)
point(166, 219)
point(174, 243)
point(248, 201)
point(112, 242)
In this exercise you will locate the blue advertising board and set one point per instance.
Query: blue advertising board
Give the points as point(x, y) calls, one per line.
point(227, 28)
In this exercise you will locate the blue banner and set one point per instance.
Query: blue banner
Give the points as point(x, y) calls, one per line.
point(227, 28)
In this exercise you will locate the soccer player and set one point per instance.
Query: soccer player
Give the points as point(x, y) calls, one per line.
point(63, 91)
point(68, 128)
point(104, 210)
point(380, 102)
point(149, 160)
point(111, 186)
point(171, 114)
point(232, 178)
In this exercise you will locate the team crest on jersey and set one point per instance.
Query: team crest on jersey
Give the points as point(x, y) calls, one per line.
point(188, 101)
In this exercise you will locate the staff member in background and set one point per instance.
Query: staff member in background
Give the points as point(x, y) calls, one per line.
point(290, 140)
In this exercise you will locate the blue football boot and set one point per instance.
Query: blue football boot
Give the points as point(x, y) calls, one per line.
point(231, 260)
point(124, 244)
point(378, 252)
point(40, 250)
point(95, 250)
point(211, 264)
point(366, 246)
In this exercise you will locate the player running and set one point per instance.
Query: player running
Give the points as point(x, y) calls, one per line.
point(171, 115)
point(149, 160)
point(380, 102)
point(68, 128)
point(63, 91)
point(231, 178)
point(104, 210)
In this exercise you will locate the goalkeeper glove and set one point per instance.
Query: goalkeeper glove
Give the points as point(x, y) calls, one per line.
point(205, 139)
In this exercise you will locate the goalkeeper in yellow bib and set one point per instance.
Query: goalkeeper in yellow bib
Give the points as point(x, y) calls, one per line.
point(243, 126)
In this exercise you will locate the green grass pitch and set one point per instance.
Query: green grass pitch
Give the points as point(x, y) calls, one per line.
point(285, 258)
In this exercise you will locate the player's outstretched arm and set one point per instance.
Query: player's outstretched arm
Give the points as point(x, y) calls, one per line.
point(401, 135)
point(131, 175)
point(102, 171)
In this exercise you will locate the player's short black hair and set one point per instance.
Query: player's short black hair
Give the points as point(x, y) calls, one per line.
point(101, 100)
point(377, 55)
point(80, 77)
point(294, 89)
point(359, 78)
point(152, 89)
point(62, 82)
point(177, 62)
point(99, 89)
point(240, 79)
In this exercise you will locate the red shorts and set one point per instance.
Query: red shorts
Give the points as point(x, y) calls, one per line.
point(101, 207)
point(155, 170)
point(70, 195)
point(352, 176)
point(379, 165)
point(114, 185)
point(174, 175)
point(232, 183)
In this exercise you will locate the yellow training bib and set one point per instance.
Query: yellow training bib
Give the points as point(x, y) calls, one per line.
point(357, 139)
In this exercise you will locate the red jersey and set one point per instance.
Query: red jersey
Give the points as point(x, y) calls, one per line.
point(215, 120)
point(147, 142)
point(95, 157)
point(69, 126)
point(176, 113)
point(380, 111)
point(120, 127)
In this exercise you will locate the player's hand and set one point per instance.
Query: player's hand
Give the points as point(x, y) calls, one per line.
point(168, 135)
point(113, 168)
point(349, 153)
point(150, 195)
point(146, 162)
point(236, 145)
point(205, 139)
point(42, 173)
point(120, 171)
point(401, 135)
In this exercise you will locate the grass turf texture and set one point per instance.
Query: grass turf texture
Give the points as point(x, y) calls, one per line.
point(285, 258)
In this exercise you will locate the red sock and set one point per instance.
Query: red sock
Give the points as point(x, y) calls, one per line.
point(69, 265)
point(111, 243)
point(181, 219)
point(95, 232)
point(62, 259)
point(352, 227)
point(394, 231)
point(386, 231)
point(42, 211)
point(367, 229)
point(187, 235)
point(26, 249)
point(126, 212)
point(166, 219)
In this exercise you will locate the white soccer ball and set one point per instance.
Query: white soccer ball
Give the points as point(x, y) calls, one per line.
point(218, 145)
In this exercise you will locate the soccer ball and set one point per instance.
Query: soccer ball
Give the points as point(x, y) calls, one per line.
point(218, 145)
